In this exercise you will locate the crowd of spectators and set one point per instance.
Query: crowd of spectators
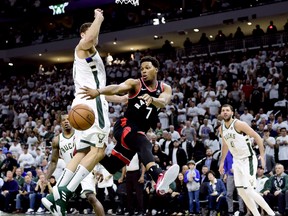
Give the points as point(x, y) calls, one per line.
point(253, 82)
point(20, 28)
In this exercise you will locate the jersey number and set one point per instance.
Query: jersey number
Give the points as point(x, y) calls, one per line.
point(149, 112)
point(232, 144)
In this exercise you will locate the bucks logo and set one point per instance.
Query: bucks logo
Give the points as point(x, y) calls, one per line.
point(101, 137)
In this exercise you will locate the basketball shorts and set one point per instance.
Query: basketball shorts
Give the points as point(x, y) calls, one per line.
point(97, 134)
point(245, 172)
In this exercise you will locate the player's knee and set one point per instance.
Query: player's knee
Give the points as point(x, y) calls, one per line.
point(100, 152)
point(91, 198)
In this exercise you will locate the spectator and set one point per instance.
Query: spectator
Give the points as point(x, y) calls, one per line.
point(209, 161)
point(42, 188)
point(246, 116)
point(177, 154)
point(271, 29)
point(269, 144)
point(276, 189)
point(166, 143)
point(9, 191)
point(189, 133)
point(282, 144)
point(174, 134)
point(258, 32)
point(9, 164)
point(204, 130)
point(179, 196)
point(15, 148)
point(23, 197)
point(160, 157)
point(192, 180)
point(187, 46)
point(19, 178)
point(39, 157)
point(212, 143)
point(26, 160)
point(135, 183)
point(238, 34)
point(216, 194)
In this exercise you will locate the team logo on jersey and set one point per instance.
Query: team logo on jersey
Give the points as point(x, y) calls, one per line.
point(101, 137)
point(158, 92)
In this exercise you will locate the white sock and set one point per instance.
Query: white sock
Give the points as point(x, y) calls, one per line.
point(250, 203)
point(80, 173)
point(65, 178)
point(260, 201)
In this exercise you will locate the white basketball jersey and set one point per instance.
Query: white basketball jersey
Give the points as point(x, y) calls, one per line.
point(90, 72)
point(67, 147)
point(239, 145)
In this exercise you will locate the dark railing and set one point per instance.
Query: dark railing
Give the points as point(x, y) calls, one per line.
point(250, 42)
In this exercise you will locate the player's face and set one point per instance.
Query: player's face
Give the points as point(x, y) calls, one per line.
point(148, 71)
point(65, 123)
point(226, 113)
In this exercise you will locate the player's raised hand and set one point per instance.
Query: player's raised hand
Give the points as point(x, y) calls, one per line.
point(89, 93)
point(147, 98)
point(98, 13)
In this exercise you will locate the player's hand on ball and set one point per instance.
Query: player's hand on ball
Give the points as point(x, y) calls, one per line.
point(147, 98)
point(89, 93)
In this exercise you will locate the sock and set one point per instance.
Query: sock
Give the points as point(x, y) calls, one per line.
point(260, 201)
point(154, 172)
point(80, 173)
point(64, 178)
point(250, 203)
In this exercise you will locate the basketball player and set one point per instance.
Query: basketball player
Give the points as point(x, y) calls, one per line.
point(236, 137)
point(88, 70)
point(64, 144)
point(145, 96)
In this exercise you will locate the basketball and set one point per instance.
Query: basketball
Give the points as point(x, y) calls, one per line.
point(81, 117)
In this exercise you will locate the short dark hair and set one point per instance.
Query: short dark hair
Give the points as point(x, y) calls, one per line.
point(212, 172)
point(84, 27)
point(151, 59)
point(228, 105)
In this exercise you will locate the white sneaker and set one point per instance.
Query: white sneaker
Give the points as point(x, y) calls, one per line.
point(75, 211)
point(40, 211)
point(85, 211)
point(30, 211)
point(166, 178)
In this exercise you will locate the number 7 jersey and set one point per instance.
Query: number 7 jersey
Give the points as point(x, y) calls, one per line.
point(239, 144)
point(144, 117)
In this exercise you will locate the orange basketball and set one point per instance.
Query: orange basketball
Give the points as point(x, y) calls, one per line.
point(81, 117)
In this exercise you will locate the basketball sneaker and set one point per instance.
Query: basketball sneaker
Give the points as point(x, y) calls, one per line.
point(166, 178)
point(49, 204)
point(61, 197)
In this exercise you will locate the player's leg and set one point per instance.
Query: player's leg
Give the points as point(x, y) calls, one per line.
point(89, 191)
point(138, 142)
point(64, 179)
point(96, 204)
point(71, 167)
point(245, 181)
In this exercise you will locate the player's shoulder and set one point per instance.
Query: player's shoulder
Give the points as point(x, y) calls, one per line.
point(55, 141)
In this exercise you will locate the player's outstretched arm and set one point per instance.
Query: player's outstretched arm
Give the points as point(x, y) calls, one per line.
point(117, 98)
point(54, 158)
point(128, 86)
point(224, 151)
point(244, 127)
point(91, 37)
